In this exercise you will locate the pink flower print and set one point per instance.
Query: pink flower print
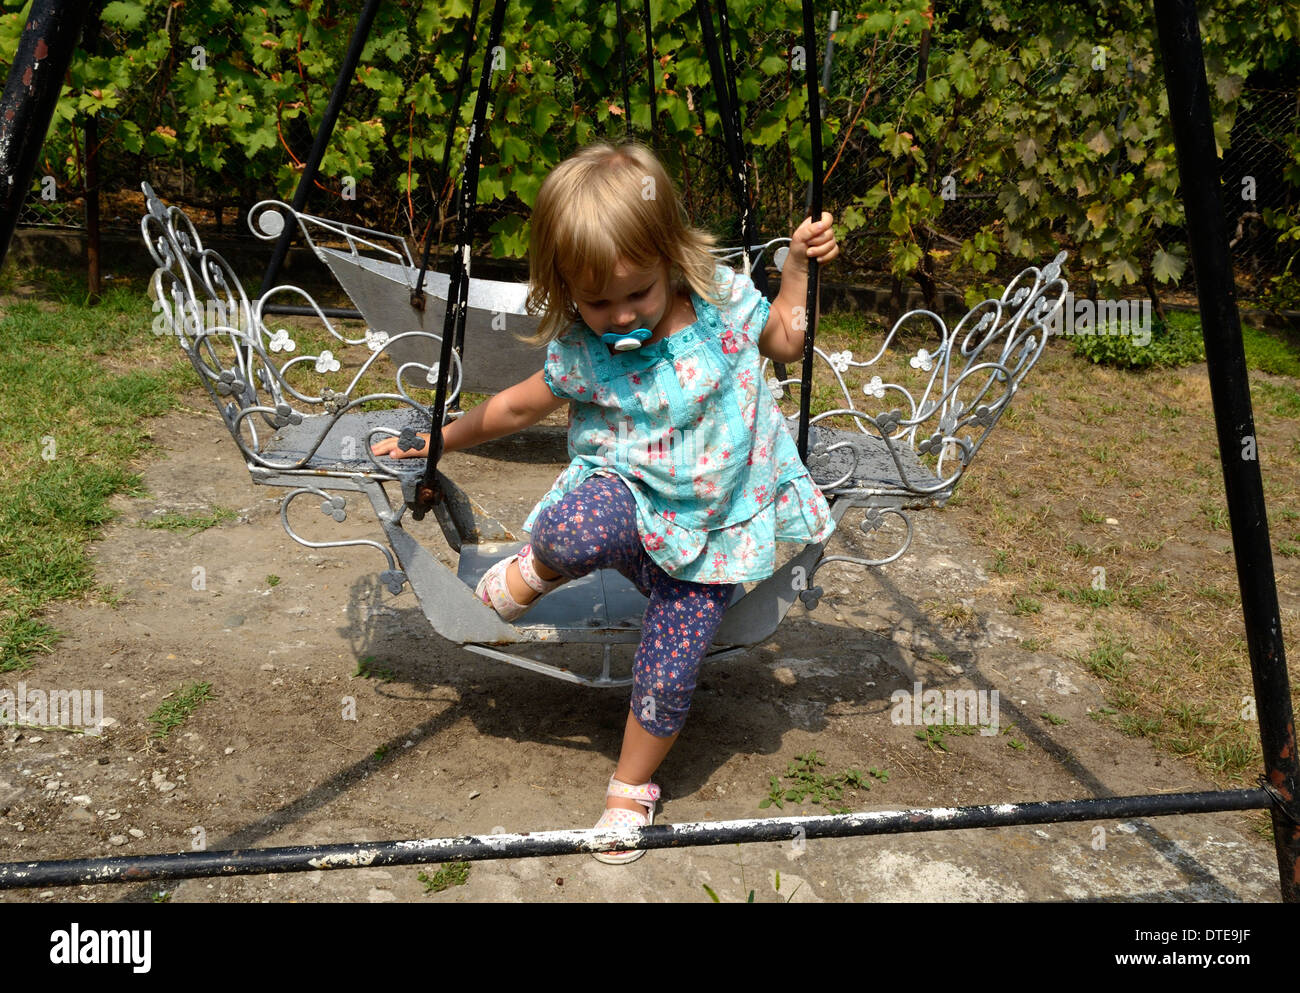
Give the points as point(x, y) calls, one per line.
point(747, 379)
point(760, 495)
point(729, 343)
point(636, 379)
point(654, 541)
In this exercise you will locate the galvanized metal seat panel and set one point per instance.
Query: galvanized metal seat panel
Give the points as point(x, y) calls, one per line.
point(869, 464)
point(345, 436)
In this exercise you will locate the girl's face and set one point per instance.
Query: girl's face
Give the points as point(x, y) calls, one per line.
point(631, 298)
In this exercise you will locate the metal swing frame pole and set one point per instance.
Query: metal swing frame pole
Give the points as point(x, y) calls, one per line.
point(31, 93)
point(535, 844)
point(1198, 170)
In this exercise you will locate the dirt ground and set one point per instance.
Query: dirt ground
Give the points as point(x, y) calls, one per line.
point(449, 743)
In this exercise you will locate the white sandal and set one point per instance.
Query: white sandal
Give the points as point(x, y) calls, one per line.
point(494, 591)
point(646, 795)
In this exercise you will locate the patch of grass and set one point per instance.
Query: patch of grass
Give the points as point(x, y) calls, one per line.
point(1237, 758)
point(178, 706)
point(1053, 719)
point(23, 637)
point(1219, 597)
point(448, 875)
point(1109, 659)
point(1270, 353)
point(1215, 515)
point(194, 523)
point(273, 580)
point(1137, 726)
point(1035, 644)
point(1283, 399)
point(1086, 596)
point(1026, 605)
point(70, 430)
point(1000, 565)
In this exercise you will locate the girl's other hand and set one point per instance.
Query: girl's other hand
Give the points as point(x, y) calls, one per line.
point(388, 446)
point(816, 241)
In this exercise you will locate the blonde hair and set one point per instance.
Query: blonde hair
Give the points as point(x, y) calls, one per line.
point(601, 205)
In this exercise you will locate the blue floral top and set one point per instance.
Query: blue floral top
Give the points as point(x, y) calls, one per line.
point(688, 424)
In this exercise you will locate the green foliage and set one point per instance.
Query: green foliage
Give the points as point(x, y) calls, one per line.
point(1175, 341)
point(448, 875)
point(1069, 122)
point(1064, 122)
point(816, 787)
point(368, 669)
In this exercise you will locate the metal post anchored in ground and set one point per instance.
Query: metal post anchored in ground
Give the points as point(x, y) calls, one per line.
point(796, 830)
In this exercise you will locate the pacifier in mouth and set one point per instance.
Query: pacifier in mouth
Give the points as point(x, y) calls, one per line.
point(625, 341)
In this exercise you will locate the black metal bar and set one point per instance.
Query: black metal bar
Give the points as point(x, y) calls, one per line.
point(651, 75)
point(622, 58)
point(1198, 170)
point(307, 858)
point(90, 155)
point(728, 115)
point(417, 294)
point(453, 326)
point(815, 212)
point(826, 84)
point(748, 220)
point(31, 94)
point(323, 135)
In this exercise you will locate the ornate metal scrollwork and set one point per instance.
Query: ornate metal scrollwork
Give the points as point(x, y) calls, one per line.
point(335, 507)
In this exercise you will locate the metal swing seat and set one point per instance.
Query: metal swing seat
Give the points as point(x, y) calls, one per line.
point(316, 441)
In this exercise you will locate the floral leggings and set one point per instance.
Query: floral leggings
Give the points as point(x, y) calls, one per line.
point(594, 527)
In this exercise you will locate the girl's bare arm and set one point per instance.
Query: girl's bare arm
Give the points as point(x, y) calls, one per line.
point(509, 411)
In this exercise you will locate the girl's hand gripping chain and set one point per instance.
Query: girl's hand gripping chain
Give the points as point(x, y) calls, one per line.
point(813, 241)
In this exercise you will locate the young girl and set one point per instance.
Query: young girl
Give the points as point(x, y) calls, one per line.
point(683, 474)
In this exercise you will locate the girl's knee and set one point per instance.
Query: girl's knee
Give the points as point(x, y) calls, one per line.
point(552, 546)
